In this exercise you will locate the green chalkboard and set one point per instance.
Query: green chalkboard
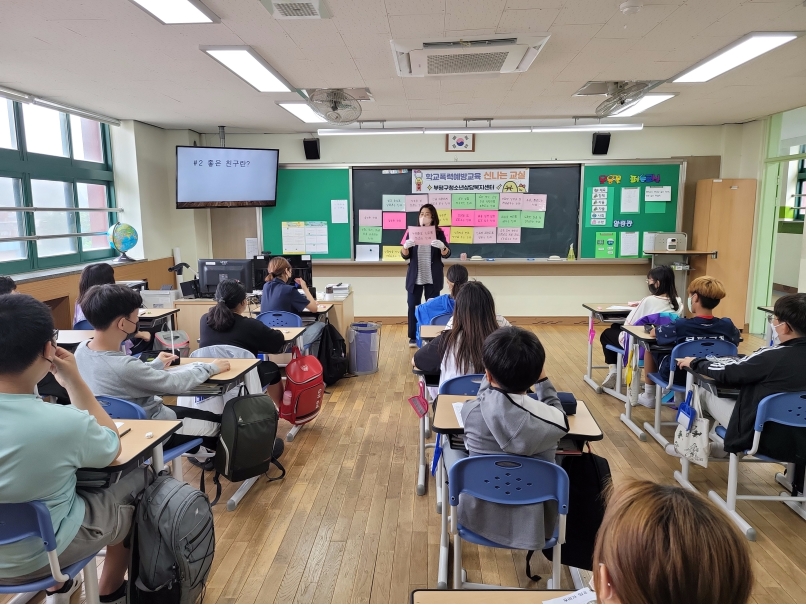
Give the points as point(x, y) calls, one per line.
point(304, 194)
point(607, 208)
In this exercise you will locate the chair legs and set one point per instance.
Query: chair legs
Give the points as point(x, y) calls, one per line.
point(90, 573)
point(457, 556)
point(729, 506)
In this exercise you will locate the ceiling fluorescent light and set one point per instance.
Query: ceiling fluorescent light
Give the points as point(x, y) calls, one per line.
point(82, 113)
point(494, 130)
point(645, 103)
point(599, 127)
point(177, 12)
point(15, 95)
point(245, 63)
point(325, 132)
point(743, 50)
point(303, 111)
point(498, 129)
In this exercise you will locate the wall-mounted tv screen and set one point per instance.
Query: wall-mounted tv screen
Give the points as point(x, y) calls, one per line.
point(225, 177)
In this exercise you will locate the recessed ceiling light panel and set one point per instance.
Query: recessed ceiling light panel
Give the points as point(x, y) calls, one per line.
point(303, 111)
point(645, 103)
point(176, 12)
point(248, 65)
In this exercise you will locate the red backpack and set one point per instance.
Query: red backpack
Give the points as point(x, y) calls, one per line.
point(304, 388)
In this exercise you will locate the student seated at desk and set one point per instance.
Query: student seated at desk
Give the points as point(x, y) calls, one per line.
point(666, 544)
point(7, 285)
point(113, 310)
point(503, 419)
point(281, 293)
point(223, 324)
point(445, 303)
point(43, 445)
point(769, 370)
point(663, 297)
point(704, 294)
point(457, 351)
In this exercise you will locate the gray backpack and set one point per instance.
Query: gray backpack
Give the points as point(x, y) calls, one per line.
point(173, 546)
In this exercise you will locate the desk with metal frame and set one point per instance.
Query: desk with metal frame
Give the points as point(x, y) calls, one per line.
point(431, 596)
point(600, 312)
point(149, 319)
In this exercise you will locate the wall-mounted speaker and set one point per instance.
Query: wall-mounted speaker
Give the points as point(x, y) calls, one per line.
point(601, 143)
point(312, 148)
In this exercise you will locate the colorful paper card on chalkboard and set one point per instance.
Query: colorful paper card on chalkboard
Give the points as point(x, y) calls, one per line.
point(394, 220)
point(654, 207)
point(605, 244)
point(509, 218)
point(486, 218)
point(415, 202)
point(658, 194)
point(463, 218)
point(394, 203)
point(392, 254)
point(461, 235)
point(422, 236)
point(511, 201)
point(447, 232)
point(535, 202)
point(463, 201)
point(509, 235)
point(370, 218)
point(444, 216)
point(369, 235)
point(535, 220)
point(440, 201)
point(484, 235)
point(486, 201)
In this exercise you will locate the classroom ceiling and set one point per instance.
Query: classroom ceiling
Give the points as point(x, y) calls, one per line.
point(112, 57)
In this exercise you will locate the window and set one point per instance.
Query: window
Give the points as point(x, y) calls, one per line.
point(56, 189)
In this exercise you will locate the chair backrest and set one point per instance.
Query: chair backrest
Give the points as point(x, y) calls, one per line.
point(703, 348)
point(783, 408)
point(462, 385)
point(504, 479)
point(441, 320)
point(251, 379)
point(83, 325)
point(26, 520)
point(280, 319)
point(120, 408)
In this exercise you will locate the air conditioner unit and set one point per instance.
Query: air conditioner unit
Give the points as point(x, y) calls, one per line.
point(503, 54)
point(294, 9)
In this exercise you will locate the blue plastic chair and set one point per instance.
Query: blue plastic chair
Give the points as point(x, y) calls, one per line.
point(280, 319)
point(441, 320)
point(122, 409)
point(694, 348)
point(83, 324)
point(32, 519)
point(788, 409)
point(462, 385)
point(511, 480)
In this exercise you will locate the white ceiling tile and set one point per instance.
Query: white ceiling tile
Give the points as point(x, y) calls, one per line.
point(414, 26)
point(580, 12)
point(415, 7)
point(473, 14)
point(527, 4)
point(570, 38)
point(751, 16)
point(638, 25)
point(533, 20)
point(469, 33)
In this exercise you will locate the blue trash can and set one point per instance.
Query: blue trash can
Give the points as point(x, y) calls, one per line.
point(365, 343)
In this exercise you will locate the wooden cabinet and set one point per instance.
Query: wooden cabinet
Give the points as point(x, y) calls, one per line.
point(724, 212)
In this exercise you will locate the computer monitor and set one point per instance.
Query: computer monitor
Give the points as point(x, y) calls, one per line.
point(300, 263)
point(214, 270)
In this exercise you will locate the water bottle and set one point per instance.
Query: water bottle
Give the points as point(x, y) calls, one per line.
point(571, 255)
point(287, 400)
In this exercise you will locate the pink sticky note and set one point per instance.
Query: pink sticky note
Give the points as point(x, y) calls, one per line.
point(422, 236)
point(510, 201)
point(535, 201)
point(484, 235)
point(447, 232)
point(370, 218)
point(440, 201)
point(405, 237)
point(394, 220)
point(463, 218)
point(414, 202)
point(509, 235)
point(486, 218)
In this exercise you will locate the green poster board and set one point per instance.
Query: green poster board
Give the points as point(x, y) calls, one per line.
point(602, 203)
point(605, 244)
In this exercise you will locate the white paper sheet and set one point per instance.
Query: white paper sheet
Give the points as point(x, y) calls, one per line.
point(457, 409)
point(649, 241)
point(118, 424)
point(366, 253)
point(630, 200)
point(618, 308)
point(658, 194)
point(316, 237)
point(293, 235)
point(338, 211)
point(251, 247)
point(629, 243)
point(584, 595)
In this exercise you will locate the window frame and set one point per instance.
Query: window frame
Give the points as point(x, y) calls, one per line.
point(27, 166)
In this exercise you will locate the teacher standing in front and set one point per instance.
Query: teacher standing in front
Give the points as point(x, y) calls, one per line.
point(425, 266)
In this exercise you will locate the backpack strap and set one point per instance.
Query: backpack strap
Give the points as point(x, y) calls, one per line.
point(217, 481)
point(535, 577)
point(276, 463)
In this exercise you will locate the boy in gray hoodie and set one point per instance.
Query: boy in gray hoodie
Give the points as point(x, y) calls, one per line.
point(503, 419)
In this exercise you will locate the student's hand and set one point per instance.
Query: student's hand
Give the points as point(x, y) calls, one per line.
point(438, 244)
point(220, 365)
point(685, 362)
point(301, 283)
point(409, 244)
point(146, 336)
point(652, 333)
point(64, 368)
point(166, 358)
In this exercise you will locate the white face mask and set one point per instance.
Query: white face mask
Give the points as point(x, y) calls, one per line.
point(688, 304)
point(776, 340)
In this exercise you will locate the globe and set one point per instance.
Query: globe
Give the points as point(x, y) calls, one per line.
point(122, 237)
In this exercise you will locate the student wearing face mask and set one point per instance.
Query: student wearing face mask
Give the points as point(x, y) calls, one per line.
point(663, 298)
point(425, 268)
point(769, 370)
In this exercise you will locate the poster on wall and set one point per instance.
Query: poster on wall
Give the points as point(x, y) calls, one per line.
point(491, 180)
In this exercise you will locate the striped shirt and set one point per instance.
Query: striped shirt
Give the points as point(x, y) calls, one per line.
point(424, 265)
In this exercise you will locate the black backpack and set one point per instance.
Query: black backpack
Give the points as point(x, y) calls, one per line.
point(246, 444)
point(332, 355)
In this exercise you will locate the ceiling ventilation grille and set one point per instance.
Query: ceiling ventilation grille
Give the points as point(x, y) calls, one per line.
point(440, 65)
point(293, 9)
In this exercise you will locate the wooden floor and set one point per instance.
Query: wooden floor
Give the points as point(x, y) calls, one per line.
point(345, 525)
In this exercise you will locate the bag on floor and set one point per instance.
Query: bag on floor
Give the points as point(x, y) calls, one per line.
point(588, 478)
point(691, 433)
point(304, 389)
point(332, 355)
point(173, 544)
point(246, 443)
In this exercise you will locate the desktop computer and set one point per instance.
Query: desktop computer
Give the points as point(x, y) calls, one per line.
point(214, 270)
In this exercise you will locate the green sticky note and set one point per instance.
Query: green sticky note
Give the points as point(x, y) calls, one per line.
point(486, 201)
point(605, 244)
point(370, 235)
point(533, 219)
point(655, 207)
point(463, 201)
point(509, 218)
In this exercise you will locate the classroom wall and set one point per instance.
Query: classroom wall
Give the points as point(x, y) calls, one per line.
point(786, 270)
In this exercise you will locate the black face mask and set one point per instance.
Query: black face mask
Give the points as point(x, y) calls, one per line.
point(653, 289)
point(130, 335)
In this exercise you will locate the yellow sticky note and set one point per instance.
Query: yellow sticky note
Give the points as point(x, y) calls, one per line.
point(462, 235)
point(444, 217)
point(391, 253)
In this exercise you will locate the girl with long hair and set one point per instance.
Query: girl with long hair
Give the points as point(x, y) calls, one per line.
point(456, 277)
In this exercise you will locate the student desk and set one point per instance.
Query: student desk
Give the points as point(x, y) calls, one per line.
point(428, 333)
point(640, 338)
point(601, 313)
point(220, 383)
point(151, 318)
point(136, 448)
point(71, 338)
point(767, 327)
point(474, 597)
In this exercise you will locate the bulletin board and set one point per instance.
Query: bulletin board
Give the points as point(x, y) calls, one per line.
point(488, 211)
point(305, 196)
point(620, 203)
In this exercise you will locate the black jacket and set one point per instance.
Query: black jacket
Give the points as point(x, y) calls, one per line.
point(436, 264)
point(246, 333)
point(768, 371)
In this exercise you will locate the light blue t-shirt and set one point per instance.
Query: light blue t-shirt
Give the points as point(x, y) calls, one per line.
point(41, 447)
